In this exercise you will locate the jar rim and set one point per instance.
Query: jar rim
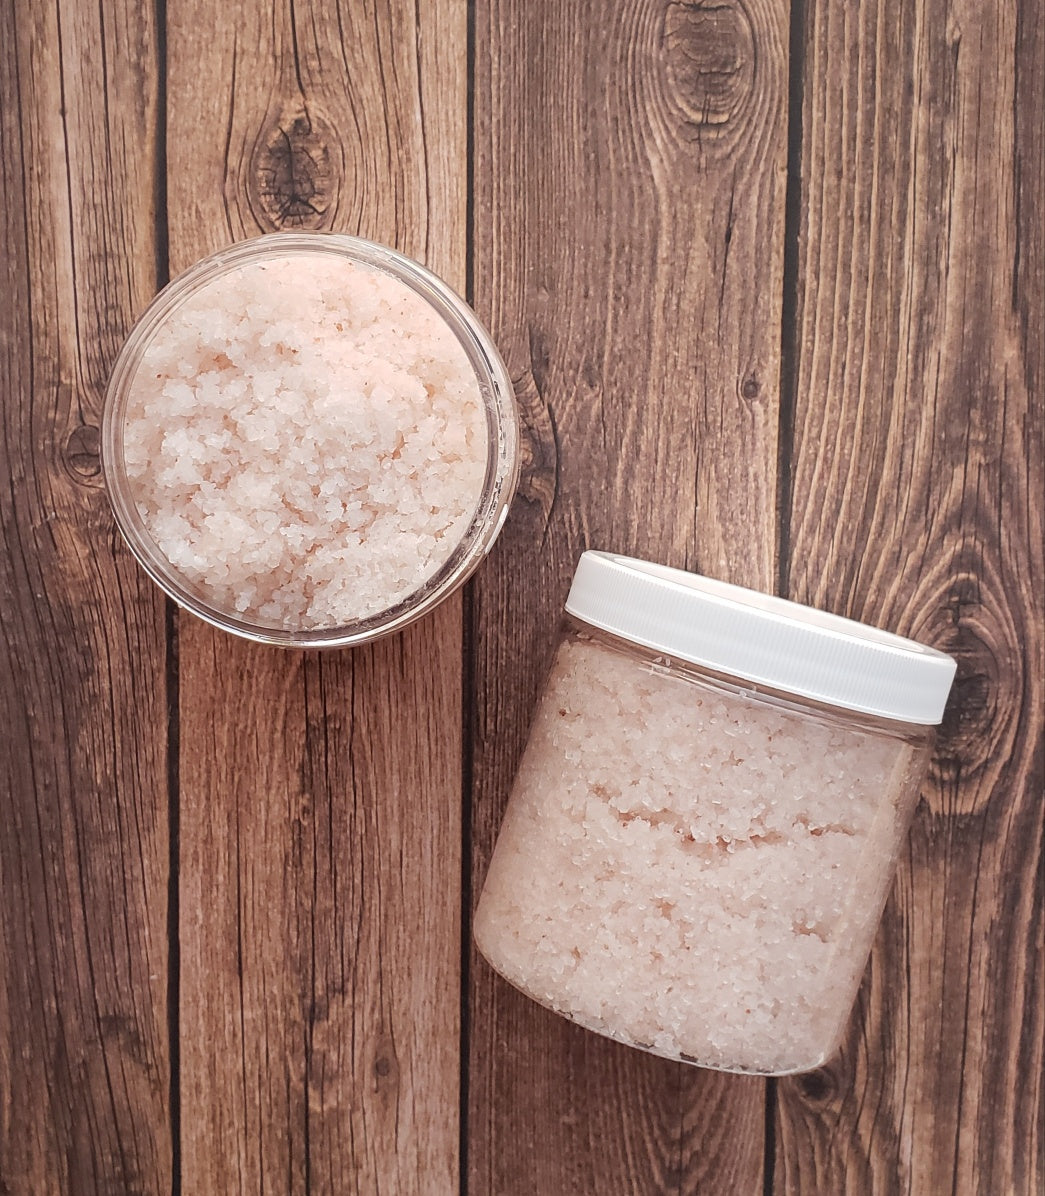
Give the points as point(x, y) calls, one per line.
point(762, 638)
point(498, 402)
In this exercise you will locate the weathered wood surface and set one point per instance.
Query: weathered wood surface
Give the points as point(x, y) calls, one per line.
point(320, 795)
point(918, 437)
point(770, 284)
point(84, 1059)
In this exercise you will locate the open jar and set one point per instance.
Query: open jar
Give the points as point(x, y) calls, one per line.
point(309, 440)
point(705, 823)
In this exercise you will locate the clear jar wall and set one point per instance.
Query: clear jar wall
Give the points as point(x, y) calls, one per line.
point(693, 866)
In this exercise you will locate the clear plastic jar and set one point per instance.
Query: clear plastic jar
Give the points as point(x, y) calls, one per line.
point(309, 440)
point(706, 820)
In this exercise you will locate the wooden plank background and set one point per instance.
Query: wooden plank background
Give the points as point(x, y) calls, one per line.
point(319, 803)
point(769, 282)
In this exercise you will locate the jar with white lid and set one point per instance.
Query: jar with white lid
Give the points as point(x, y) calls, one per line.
point(706, 820)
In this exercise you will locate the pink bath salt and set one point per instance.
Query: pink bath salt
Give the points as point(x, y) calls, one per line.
point(306, 441)
point(691, 870)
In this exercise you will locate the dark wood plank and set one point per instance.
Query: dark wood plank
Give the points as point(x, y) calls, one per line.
point(917, 504)
point(84, 1077)
point(320, 794)
point(629, 209)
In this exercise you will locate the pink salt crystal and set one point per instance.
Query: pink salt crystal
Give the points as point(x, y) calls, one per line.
point(306, 441)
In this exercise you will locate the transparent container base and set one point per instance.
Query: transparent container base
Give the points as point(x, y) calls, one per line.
point(674, 1056)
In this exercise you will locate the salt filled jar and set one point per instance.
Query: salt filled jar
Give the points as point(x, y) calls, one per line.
point(706, 820)
point(309, 440)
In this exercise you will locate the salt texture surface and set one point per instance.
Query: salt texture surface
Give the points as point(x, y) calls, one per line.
point(689, 870)
point(305, 441)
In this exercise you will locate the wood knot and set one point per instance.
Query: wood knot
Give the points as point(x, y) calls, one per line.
point(81, 455)
point(296, 172)
point(816, 1086)
point(750, 389)
point(385, 1066)
point(710, 56)
point(976, 721)
point(982, 724)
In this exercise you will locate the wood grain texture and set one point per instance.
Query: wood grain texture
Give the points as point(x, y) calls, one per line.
point(320, 795)
point(84, 1074)
point(628, 237)
point(918, 438)
point(629, 252)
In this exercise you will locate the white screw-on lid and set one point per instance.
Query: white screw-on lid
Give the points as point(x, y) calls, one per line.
point(770, 641)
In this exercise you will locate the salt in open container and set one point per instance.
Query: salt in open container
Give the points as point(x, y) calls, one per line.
point(309, 440)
